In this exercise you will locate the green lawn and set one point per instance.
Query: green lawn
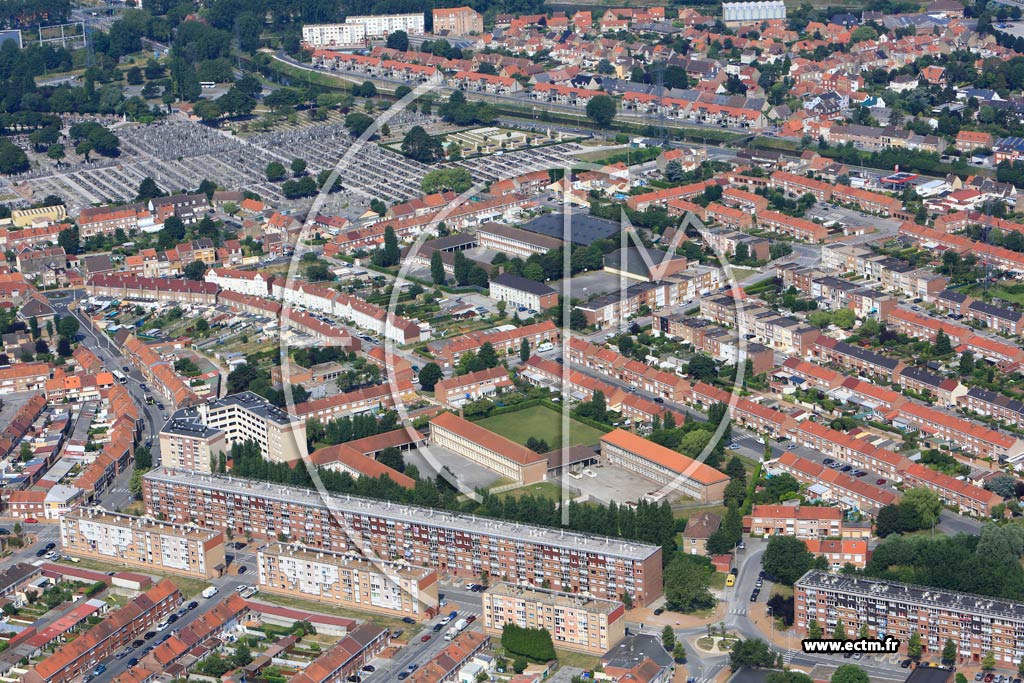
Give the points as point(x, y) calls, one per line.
point(541, 423)
point(544, 489)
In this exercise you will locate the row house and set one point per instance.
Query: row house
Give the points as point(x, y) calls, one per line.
point(725, 241)
point(721, 344)
point(454, 392)
point(797, 228)
point(747, 201)
point(372, 399)
point(107, 220)
point(1005, 355)
point(745, 412)
point(812, 374)
point(848, 492)
point(489, 83)
point(661, 198)
point(925, 327)
point(944, 390)
point(248, 282)
point(959, 433)
point(998, 318)
point(163, 290)
point(990, 404)
point(504, 342)
point(1000, 256)
point(30, 237)
point(863, 361)
point(799, 185)
point(959, 495)
point(866, 200)
point(868, 395)
point(79, 656)
point(839, 553)
point(638, 375)
point(849, 448)
point(159, 372)
point(563, 94)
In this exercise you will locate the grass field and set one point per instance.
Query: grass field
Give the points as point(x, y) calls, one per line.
point(544, 489)
point(540, 423)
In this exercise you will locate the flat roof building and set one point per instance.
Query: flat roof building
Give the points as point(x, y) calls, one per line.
point(460, 544)
point(142, 542)
point(575, 622)
point(975, 623)
point(348, 580)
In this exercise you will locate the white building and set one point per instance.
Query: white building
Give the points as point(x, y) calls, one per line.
point(381, 26)
point(334, 35)
point(249, 282)
point(737, 13)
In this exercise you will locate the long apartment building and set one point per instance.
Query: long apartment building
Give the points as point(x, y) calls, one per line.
point(195, 434)
point(484, 447)
point(142, 542)
point(79, 656)
point(664, 466)
point(460, 544)
point(976, 624)
point(348, 580)
point(575, 622)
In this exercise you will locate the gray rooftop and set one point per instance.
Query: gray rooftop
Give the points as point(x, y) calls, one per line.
point(405, 514)
point(583, 228)
point(976, 605)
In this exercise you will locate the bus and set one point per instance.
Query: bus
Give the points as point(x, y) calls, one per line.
point(119, 376)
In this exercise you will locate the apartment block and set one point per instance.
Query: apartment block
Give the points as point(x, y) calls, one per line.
point(802, 521)
point(142, 542)
point(488, 449)
point(523, 292)
point(348, 580)
point(196, 433)
point(459, 21)
point(664, 466)
point(976, 624)
point(462, 545)
point(575, 622)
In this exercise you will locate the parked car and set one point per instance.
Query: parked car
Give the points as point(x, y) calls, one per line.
point(192, 605)
point(659, 611)
point(409, 620)
point(369, 668)
point(426, 638)
point(880, 482)
point(132, 662)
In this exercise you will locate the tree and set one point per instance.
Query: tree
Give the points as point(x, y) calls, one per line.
point(839, 632)
point(524, 350)
point(533, 644)
point(755, 654)
point(679, 652)
point(430, 375)
point(914, 647)
point(942, 343)
point(357, 123)
point(702, 367)
point(275, 171)
point(388, 255)
point(849, 673)
point(948, 652)
point(194, 271)
point(56, 152)
point(844, 318)
point(687, 583)
point(601, 110)
point(925, 503)
point(68, 326)
point(668, 638)
point(398, 40)
point(577, 320)
point(988, 661)
point(814, 631)
point(966, 363)
point(378, 206)
point(12, 158)
point(68, 239)
point(437, 274)
point(421, 146)
point(786, 558)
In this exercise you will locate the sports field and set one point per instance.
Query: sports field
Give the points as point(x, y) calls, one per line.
point(541, 423)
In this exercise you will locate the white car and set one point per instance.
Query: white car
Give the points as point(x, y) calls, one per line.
point(162, 625)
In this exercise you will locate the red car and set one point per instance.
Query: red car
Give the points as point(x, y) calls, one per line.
point(31, 520)
point(880, 482)
point(471, 618)
point(425, 638)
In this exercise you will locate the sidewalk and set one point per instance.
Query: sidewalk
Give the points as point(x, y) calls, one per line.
point(647, 617)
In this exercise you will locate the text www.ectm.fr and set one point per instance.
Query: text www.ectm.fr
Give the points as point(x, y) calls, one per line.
point(831, 646)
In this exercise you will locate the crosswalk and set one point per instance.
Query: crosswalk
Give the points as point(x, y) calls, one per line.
point(739, 611)
point(787, 656)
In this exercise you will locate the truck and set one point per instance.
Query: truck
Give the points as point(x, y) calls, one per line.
point(209, 591)
point(460, 625)
point(452, 632)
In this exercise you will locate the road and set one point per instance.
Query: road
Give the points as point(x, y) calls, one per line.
point(64, 303)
